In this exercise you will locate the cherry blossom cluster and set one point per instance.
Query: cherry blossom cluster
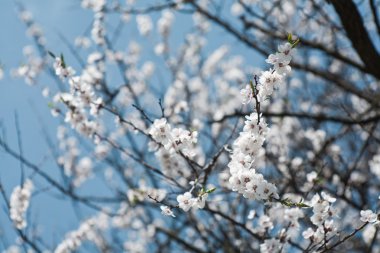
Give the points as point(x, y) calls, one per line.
point(82, 102)
point(144, 24)
point(31, 69)
point(173, 165)
point(19, 203)
point(272, 78)
point(174, 140)
point(322, 218)
point(144, 192)
point(79, 169)
point(95, 5)
point(61, 70)
point(133, 218)
point(368, 216)
point(89, 230)
point(187, 201)
point(273, 222)
point(200, 92)
point(244, 177)
point(271, 246)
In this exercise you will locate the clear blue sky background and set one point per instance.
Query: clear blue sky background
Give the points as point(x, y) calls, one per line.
point(55, 217)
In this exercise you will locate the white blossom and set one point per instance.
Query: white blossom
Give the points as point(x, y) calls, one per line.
point(368, 216)
point(165, 210)
point(61, 70)
point(88, 230)
point(165, 22)
point(270, 246)
point(374, 165)
point(185, 201)
point(246, 94)
point(19, 203)
point(144, 24)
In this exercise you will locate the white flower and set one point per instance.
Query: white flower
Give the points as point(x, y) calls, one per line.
point(159, 49)
point(281, 60)
point(98, 30)
point(82, 42)
point(308, 233)
point(165, 210)
point(160, 131)
point(246, 94)
point(368, 216)
point(282, 67)
point(19, 203)
point(95, 5)
point(88, 230)
point(164, 23)
point(200, 202)
point(61, 70)
point(286, 50)
point(185, 201)
point(236, 9)
point(251, 215)
point(144, 24)
point(272, 59)
point(270, 246)
point(374, 165)
point(327, 197)
point(267, 82)
point(83, 170)
point(311, 176)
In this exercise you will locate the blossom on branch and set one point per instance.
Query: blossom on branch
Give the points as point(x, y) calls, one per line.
point(19, 203)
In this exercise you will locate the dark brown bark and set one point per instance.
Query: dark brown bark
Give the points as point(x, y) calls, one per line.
point(358, 35)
